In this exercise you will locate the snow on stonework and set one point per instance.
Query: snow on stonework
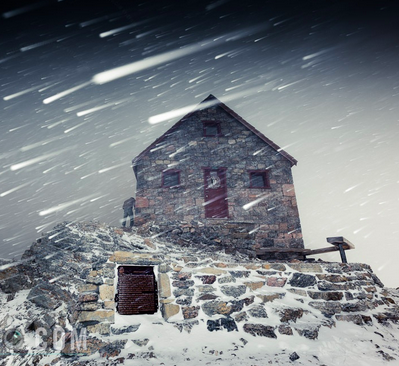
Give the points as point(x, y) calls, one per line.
point(58, 305)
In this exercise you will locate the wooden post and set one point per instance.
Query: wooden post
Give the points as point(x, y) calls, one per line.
point(342, 244)
point(342, 252)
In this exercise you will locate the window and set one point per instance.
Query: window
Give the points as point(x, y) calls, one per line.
point(137, 291)
point(259, 179)
point(211, 128)
point(170, 178)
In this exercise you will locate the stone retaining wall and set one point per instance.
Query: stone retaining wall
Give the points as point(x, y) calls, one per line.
point(252, 298)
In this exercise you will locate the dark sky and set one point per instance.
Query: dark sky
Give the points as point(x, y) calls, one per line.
point(319, 78)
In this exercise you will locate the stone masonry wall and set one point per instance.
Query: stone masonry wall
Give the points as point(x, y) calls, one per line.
point(254, 298)
point(240, 151)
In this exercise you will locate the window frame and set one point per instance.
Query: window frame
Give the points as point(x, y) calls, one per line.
point(266, 179)
point(205, 124)
point(171, 171)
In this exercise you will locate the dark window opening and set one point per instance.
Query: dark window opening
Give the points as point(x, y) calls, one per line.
point(259, 179)
point(212, 129)
point(171, 178)
point(136, 291)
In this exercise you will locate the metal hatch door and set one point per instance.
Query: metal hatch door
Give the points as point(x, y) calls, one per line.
point(137, 291)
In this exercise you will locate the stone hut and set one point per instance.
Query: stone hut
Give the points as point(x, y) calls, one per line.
point(215, 172)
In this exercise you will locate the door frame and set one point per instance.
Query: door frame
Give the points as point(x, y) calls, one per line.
point(225, 208)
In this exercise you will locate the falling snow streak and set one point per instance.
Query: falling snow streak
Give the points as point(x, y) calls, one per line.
point(122, 71)
point(65, 92)
point(63, 206)
point(39, 159)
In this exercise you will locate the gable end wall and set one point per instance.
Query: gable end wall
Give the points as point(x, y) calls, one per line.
point(240, 151)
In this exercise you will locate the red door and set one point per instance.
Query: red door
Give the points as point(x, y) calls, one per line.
point(215, 192)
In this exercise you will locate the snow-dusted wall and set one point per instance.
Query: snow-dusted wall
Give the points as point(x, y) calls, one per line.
point(262, 299)
point(208, 302)
point(239, 151)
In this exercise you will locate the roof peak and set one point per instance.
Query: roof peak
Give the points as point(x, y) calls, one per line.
point(208, 102)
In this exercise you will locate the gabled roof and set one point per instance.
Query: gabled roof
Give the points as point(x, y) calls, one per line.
point(206, 103)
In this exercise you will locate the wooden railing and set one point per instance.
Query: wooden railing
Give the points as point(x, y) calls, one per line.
point(339, 243)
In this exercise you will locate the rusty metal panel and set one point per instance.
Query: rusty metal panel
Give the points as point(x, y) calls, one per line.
point(137, 290)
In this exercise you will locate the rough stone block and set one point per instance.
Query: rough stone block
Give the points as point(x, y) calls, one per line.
point(89, 306)
point(354, 318)
point(355, 307)
point(164, 285)
point(210, 270)
point(285, 329)
point(240, 317)
point(107, 292)
point(207, 297)
point(206, 288)
point(182, 284)
point(306, 267)
point(328, 309)
point(276, 281)
point(275, 266)
point(113, 349)
point(94, 280)
point(207, 279)
point(96, 316)
point(164, 268)
point(227, 279)
point(288, 190)
point(327, 296)
point(271, 297)
point(169, 310)
point(240, 274)
point(109, 304)
point(182, 275)
point(260, 330)
point(87, 347)
point(328, 286)
point(134, 258)
point(124, 329)
point(310, 332)
point(258, 311)
point(47, 295)
point(222, 323)
point(183, 292)
point(100, 328)
point(298, 291)
point(254, 285)
point(86, 297)
point(288, 315)
point(302, 280)
point(233, 291)
point(141, 342)
point(88, 288)
point(190, 312)
point(332, 278)
point(216, 307)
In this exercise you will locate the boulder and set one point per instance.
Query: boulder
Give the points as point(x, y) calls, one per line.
point(47, 295)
